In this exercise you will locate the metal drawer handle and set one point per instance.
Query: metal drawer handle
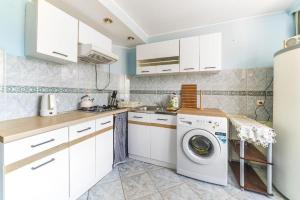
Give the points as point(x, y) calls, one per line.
point(86, 129)
point(189, 68)
point(166, 70)
point(144, 71)
point(137, 117)
point(210, 67)
point(160, 119)
point(61, 54)
point(41, 165)
point(42, 143)
point(105, 123)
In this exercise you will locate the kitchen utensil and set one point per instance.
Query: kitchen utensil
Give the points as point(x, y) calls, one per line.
point(86, 101)
point(48, 105)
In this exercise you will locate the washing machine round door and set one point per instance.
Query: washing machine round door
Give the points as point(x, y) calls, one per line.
point(201, 146)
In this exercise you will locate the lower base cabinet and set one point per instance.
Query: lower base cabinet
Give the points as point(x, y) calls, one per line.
point(163, 144)
point(155, 142)
point(46, 179)
point(82, 167)
point(104, 153)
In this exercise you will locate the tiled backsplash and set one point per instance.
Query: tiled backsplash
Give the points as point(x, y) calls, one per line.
point(234, 91)
point(24, 80)
point(27, 79)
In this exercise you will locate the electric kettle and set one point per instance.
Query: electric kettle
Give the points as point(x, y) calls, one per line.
point(48, 105)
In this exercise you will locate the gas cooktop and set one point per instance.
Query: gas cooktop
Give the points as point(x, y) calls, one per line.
point(103, 108)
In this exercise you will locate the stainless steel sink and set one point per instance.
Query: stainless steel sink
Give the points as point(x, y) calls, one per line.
point(153, 110)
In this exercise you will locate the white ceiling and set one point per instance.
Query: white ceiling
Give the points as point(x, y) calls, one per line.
point(157, 17)
point(143, 19)
point(92, 12)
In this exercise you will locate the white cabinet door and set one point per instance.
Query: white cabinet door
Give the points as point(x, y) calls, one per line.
point(46, 179)
point(157, 50)
point(82, 167)
point(211, 52)
point(189, 54)
point(104, 154)
point(51, 34)
point(139, 140)
point(57, 32)
point(172, 68)
point(163, 144)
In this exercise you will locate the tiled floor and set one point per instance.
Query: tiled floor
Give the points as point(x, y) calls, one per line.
point(135, 180)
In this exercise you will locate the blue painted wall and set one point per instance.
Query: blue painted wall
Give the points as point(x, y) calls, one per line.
point(294, 7)
point(12, 19)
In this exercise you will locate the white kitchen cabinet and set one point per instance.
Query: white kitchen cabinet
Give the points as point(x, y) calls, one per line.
point(163, 144)
point(88, 35)
point(152, 138)
point(210, 52)
point(104, 146)
point(138, 135)
point(189, 54)
point(138, 140)
point(47, 179)
point(82, 167)
point(51, 34)
point(104, 153)
point(158, 50)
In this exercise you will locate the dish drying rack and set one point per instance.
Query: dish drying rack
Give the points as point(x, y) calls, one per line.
point(246, 176)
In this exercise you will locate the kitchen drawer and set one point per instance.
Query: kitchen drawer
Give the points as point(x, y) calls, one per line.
point(139, 117)
point(146, 70)
point(80, 130)
point(168, 69)
point(104, 122)
point(163, 119)
point(21, 149)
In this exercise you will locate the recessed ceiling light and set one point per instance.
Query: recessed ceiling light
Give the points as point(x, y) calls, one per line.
point(108, 20)
point(130, 38)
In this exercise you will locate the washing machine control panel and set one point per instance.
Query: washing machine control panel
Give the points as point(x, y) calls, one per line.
point(213, 124)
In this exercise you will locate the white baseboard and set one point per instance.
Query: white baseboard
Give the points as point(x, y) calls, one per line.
point(152, 161)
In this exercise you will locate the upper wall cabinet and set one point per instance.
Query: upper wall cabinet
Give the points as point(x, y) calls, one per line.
point(157, 50)
point(210, 52)
point(88, 35)
point(51, 34)
point(189, 54)
point(158, 58)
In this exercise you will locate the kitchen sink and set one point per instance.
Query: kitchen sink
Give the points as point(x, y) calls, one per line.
point(154, 110)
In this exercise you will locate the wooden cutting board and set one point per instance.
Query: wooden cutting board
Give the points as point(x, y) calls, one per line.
point(189, 96)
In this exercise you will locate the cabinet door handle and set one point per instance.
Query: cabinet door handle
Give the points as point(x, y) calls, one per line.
point(86, 129)
point(43, 164)
point(137, 117)
point(189, 68)
point(61, 54)
point(42, 143)
point(166, 70)
point(105, 122)
point(210, 67)
point(144, 71)
point(160, 119)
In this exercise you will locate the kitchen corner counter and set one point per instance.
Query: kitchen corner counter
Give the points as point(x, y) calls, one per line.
point(17, 129)
point(206, 112)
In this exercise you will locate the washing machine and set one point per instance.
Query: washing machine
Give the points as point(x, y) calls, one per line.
point(202, 148)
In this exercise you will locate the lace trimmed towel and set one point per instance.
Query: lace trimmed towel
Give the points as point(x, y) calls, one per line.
point(252, 131)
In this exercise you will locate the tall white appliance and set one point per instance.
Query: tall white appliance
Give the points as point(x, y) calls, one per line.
point(286, 119)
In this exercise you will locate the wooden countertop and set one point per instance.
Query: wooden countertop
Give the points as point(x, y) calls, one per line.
point(206, 112)
point(16, 129)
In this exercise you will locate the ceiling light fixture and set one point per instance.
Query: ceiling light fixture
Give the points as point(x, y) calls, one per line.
point(108, 20)
point(130, 38)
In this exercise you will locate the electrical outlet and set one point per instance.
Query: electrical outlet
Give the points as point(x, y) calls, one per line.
point(260, 102)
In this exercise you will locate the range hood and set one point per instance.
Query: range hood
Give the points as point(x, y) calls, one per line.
point(92, 54)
